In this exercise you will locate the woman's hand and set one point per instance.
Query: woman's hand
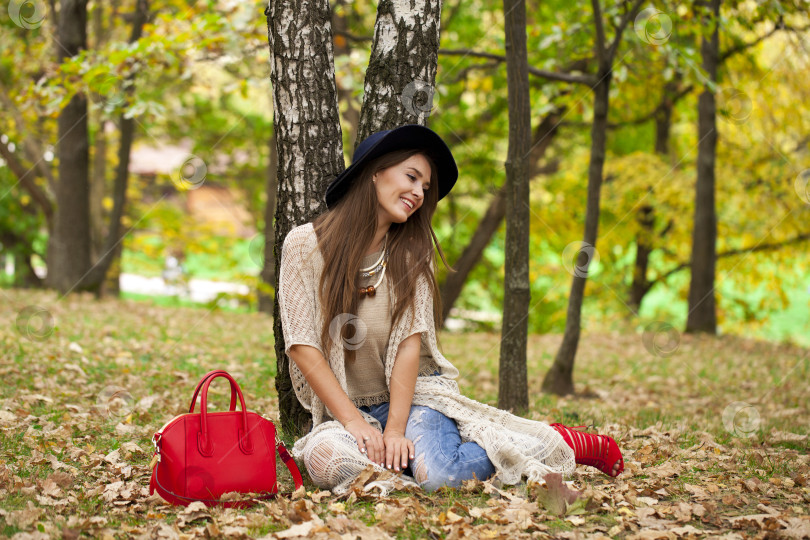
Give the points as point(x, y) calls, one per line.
point(397, 449)
point(369, 440)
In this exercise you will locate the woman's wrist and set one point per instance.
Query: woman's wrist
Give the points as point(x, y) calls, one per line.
point(354, 418)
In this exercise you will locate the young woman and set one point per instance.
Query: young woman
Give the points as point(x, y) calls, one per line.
point(360, 310)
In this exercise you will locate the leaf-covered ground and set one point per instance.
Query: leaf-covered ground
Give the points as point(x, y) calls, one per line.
point(714, 432)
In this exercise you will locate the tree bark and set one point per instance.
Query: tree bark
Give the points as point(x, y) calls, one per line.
point(399, 87)
point(702, 316)
point(309, 146)
point(513, 386)
point(69, 241)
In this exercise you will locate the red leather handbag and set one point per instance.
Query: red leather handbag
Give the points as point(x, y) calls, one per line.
point(200, 456)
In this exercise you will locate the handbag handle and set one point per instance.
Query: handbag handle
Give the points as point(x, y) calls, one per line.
point(204, 443)
point(199, 387)
point(285, 456)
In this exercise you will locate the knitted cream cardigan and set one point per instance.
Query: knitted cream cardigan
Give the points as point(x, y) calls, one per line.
point(516, 446)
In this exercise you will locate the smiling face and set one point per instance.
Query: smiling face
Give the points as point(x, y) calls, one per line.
point(401, 189)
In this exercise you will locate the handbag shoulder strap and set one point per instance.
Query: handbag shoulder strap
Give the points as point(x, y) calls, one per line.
point(290, 463)
point(285, 457)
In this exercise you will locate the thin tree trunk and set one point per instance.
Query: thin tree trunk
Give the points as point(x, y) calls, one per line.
point(96, 277)
point(306, 125)
point(400, 79)
point(639, 287)
point(98, 177)
point(454, 282)
point(513, 387)
point(646, 214)
point(69, 241)
point(559, 379)
point(702, 316)
point(98, 187)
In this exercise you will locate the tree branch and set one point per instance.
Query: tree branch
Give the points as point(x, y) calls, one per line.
point(599, 39)
point(730, 253)
point(550, 75)
point(37, 194)
point(635, 121)
point(630, 14)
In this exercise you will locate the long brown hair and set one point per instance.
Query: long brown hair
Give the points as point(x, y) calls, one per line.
point(345, 232)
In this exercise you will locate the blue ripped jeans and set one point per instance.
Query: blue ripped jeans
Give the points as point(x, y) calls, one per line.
point(440, 458)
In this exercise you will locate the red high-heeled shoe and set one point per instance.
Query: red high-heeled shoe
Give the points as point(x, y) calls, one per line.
point(599, 451)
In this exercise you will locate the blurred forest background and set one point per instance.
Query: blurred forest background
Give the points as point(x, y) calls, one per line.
point(187, 85)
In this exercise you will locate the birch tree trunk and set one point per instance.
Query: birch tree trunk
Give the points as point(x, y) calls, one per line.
point(309, 146)
point(702, 316)
point(513, 387)
point(401, 77)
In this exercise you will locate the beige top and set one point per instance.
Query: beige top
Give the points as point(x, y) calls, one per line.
point(516, 446)
point(365, 377)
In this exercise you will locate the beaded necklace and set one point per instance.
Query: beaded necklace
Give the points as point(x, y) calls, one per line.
point(378, 267)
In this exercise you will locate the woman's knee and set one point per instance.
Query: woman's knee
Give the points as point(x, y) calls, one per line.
point(431, 480)
point(331, 458)
point(433, 470)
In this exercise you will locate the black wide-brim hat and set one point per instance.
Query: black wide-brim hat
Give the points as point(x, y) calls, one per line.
point(402, 137)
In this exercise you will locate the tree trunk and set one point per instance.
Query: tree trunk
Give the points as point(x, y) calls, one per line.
point(559, 379)
point(640, 285)
point(702, 316)
point(400, 80)
point(111, 251)
point(98, 187)
point(513, 387)
point(98, 177)
point(308, 143)
point(266, 302)
point(69, 241)
point(454, 282)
